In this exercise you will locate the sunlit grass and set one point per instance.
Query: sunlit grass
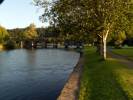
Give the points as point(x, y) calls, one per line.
point(105, 80)
point(125, 51)
point(125, 78)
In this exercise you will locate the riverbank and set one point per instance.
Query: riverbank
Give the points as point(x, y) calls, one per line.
point(105, 80)
point(71, 88)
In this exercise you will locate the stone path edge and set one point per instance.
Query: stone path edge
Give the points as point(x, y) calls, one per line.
point(72, 86)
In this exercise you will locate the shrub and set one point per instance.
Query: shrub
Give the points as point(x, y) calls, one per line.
point(10, 44)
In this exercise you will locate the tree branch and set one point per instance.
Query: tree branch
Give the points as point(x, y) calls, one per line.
point(100, 36)
point(106, 35)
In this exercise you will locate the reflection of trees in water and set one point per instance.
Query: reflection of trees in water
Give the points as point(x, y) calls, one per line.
point(31, 58)
point(31, 62)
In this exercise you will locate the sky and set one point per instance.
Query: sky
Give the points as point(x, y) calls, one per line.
point(19, 14)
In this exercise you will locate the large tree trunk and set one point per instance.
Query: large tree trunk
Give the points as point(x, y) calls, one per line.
point(100, 45)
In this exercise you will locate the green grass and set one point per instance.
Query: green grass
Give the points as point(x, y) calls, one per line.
point(105, 80)
point(128, 52)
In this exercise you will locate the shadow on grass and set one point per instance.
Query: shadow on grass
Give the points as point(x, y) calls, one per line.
point(99, 81)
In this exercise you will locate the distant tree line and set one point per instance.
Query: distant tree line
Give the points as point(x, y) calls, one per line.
point(15, 38)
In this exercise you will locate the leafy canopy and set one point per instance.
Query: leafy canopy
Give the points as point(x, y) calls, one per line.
point(4, 35)
point(30, 32)
point(88, 16)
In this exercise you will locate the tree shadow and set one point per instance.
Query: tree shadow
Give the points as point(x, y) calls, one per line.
point(102, 81)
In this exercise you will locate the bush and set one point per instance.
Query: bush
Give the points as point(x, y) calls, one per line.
point(10, 44)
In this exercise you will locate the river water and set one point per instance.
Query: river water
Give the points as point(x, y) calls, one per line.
point(34, 74)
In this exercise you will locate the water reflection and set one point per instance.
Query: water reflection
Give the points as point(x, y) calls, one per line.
point(34, 74)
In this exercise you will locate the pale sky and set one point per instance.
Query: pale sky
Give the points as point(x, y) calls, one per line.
point(19, 14)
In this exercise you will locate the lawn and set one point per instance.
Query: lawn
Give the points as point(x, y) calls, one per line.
point(128, 52)
point(105, 80)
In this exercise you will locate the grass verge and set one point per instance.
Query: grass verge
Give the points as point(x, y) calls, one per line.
point(105, 80)
point(128, 52)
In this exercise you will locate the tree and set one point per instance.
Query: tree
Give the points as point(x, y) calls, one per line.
point(30, 32)
point(17, 34)
point(4, 35)
point(119, 38)
point(99, 17)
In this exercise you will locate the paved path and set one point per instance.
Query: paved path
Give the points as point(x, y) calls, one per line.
point(124, 60)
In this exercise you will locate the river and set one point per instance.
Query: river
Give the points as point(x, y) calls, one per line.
point(34, 74)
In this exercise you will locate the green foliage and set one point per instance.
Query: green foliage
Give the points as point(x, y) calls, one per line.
point(85, 15)
point(119, 38)
point(4, 35)
point(16, 34)
point(97, 17)
point(30, 32)
point(10, 44)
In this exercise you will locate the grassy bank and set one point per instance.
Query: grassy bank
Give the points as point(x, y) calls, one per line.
point(128, 52)
point(105, 80)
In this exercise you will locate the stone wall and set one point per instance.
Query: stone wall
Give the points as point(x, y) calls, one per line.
point(71, 89)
